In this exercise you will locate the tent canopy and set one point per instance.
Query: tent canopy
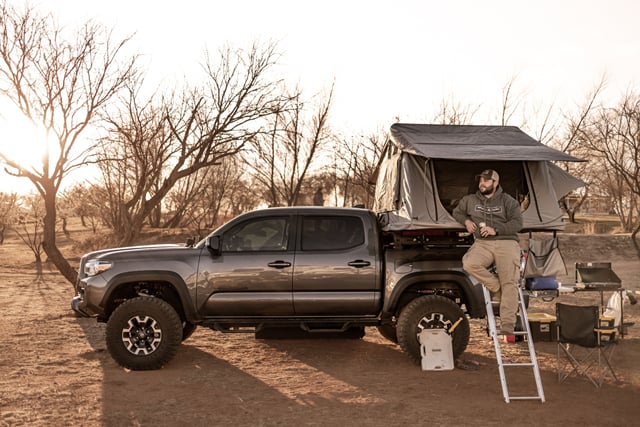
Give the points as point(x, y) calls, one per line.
point(466, 142)
point(427, 169)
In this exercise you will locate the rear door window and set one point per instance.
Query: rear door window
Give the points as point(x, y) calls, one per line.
point(331, 233)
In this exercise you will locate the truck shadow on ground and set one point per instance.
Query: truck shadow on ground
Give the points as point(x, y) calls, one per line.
point(234, 379)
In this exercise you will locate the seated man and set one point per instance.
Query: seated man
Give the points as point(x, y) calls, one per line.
point(494, 218)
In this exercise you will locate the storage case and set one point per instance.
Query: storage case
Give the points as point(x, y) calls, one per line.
point(543, 327)
point(436, 350)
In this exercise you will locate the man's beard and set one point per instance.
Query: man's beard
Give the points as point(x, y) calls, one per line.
point(487, 190)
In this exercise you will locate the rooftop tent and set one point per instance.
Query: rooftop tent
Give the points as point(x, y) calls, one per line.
point(426, 169)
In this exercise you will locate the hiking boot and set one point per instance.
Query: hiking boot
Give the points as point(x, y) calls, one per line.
point(506, 330)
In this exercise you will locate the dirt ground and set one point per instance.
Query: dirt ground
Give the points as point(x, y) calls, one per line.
point(55, 370)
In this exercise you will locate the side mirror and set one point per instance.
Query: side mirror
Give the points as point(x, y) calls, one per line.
point(214, 244)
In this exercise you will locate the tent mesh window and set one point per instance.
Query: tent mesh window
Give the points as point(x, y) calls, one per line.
point(457, 178)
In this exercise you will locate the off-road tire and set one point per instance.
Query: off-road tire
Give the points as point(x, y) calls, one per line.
point(143, 333)
point(431, 312)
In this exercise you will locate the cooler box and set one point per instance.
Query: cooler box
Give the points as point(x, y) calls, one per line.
point(541, 283)
point(543, 327)
point(436, 350)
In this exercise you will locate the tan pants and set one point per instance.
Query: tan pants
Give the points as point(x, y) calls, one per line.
point(506, 255)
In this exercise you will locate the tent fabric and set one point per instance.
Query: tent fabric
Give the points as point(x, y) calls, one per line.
point(388, 170)
point(467, 142)
point(418, 204)
point(543, 210)
point(563, 181)
point(416, 191)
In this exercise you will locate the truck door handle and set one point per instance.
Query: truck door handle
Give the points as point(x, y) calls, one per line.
point(279, 264)
point(359, 263)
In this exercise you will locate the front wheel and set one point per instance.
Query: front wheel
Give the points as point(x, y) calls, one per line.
point(431, 312)
point(144, 333)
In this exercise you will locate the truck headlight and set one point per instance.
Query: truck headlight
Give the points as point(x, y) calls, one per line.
point(95, 266)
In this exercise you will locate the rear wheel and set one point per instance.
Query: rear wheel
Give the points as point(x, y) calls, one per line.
point(144, 333)
point(431, 312)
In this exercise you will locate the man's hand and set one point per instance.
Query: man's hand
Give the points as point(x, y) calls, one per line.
point(471, 226)
point(487, 231)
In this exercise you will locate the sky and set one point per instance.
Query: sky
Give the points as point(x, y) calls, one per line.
point(393, 59)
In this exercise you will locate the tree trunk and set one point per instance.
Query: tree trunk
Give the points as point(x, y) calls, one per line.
point(39, 270)
point(635, 241)
point(155, 217)
point(49, 238)
point(129, 229)
point(64, 226)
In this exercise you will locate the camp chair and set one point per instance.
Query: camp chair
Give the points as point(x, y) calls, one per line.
point(585, 341)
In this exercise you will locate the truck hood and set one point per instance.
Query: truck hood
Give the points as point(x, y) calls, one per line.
point(128, 252)
point(131, 249)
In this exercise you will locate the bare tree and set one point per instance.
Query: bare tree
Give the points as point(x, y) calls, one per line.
point(30, 228)
point(453, 112)
point(60, 84)
point(206, 199)
point(626, 204)
point(78, 201)
point(180, 204)
point(356, 164)
point(534, 117)
point(155, 144)
point(8, 212)
point(84, 202)
point(281, 159)
point(133, 159)
point(242, 198)
point(511, 102)
point(570, 144)
point(613, 135)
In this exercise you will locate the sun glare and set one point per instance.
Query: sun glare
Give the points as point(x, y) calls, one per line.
point(23, 142)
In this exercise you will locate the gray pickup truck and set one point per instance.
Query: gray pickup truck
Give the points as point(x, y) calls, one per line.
point(397, 267)
point(315, 268)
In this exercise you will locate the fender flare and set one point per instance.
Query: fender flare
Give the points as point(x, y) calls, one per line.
point(472, 291)
point(170, 277)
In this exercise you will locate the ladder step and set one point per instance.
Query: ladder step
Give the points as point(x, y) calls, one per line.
point(527, 398)
point(517, 364)
point(514, 333)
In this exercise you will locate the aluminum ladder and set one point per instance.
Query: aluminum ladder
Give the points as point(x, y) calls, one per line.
point(533, 362)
